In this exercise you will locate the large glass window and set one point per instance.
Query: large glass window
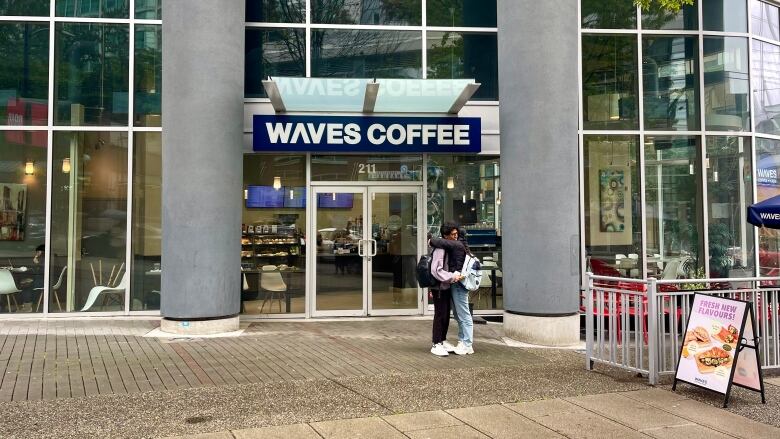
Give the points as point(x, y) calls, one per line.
point(765, 20)
point(455, 55)
point(726, 87)
point(147, 221)
point(148, 9)
point(147, 102)
point(466, 189)
point(27, 8)
point(273, 251)
point(366, 168)
point(613, 225)
point(22, 220)
point(671, 85)
point(674, 200)
point(24, 76)
point(390, 12)
point(461, 13)
point(91, 74)
point(659, 18)
point(609, 81)
point(366, 54)
point(766, 87)
point(93, 9)
point(276, 11)
point(768, 186)
point(89, 222)
point(616, 14)
point(278, 52)
point(724, 15)
point(729, 192)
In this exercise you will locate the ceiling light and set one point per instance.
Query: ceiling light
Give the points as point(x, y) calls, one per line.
point(450, 183)
point(66, 165)
point(29, 168)
point(277, 183)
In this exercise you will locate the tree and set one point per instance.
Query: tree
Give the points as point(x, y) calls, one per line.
point(670, 5)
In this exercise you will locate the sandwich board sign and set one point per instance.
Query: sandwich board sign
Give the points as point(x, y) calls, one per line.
point(720, 347)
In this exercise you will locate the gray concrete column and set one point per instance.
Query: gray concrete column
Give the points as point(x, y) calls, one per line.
point(203, 90)
point(537, 53)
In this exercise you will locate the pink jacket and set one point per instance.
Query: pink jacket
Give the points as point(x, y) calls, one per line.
point(439, 270)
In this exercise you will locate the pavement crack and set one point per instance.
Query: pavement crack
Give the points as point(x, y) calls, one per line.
point(349, 389)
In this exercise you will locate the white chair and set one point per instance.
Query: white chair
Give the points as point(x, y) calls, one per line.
point(271, 281)
point(634, 258)
point(671, 269)
point(100, 289)
point(8, 288)
point(55, 290)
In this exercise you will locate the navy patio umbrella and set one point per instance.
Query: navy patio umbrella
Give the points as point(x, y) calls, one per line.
point(765, 213)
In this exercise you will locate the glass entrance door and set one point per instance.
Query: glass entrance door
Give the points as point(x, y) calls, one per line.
point(367, 245)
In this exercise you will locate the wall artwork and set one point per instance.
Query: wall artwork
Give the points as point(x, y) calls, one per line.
point(13, 206)
point(612, 200)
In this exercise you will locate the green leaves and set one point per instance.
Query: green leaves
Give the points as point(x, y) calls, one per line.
point(670, 5)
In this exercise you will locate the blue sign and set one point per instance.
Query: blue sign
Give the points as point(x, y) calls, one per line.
point(367, 134)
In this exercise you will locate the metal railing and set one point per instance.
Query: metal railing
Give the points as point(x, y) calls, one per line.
point(639, 324)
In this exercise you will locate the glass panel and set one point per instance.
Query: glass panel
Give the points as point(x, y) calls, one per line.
point(24, 78)
point(93, 8)
point(461, 13)
point(768, 186)
point(276, 11)
point(366, 168)
point(766, 87)
point(394, 230)
point(729, 192)
point(91, 74)
point(148, 9)
point(147, 104)
point(273, 255)
point(725, 15)
point(272, 53)
point(609, 81)
point(389, 12)
point(147, 221)
point(613, 225)
point(89, 222)
point(616, 14)
point(671, 83)
point(674, 206)
point(726, 106)
point(766, 20)
point(25, 7)
point(366, 54)
point(339, 225)
point(22, 220)
point(657, 17)
point(455, 55)
point(466, 189)
point(318, 94)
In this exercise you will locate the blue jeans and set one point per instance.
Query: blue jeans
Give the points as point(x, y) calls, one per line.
point(460, 308)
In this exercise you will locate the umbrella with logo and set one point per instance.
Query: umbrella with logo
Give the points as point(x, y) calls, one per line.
point(765, 213)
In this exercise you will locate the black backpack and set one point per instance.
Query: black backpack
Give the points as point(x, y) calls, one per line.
point(424, 277)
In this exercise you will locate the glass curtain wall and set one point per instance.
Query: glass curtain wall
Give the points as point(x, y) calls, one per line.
point(348, 40)
point(100, 84)
point(688, 143)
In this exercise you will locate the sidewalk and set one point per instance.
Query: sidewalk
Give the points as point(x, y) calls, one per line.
point(107, 378)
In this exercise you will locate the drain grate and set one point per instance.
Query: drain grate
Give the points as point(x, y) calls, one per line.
point(198, 419)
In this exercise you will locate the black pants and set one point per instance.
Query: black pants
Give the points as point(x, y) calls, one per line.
point(442, 303)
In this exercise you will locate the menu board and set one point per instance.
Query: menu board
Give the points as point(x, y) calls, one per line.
point(710, 343)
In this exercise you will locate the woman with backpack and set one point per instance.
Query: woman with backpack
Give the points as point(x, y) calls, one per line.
point(442, 299)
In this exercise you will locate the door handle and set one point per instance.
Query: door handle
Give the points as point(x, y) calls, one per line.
point(360, 248)
point(373, 247)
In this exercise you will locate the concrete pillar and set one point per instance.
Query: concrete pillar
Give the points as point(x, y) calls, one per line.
point(203, 89)
point(537, 52)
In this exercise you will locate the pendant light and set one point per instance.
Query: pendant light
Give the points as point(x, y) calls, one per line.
point(450, 182)
point(29, 168)
point(66, 165)
point(277, 183)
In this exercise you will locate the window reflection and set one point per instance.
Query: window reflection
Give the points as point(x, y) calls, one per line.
point(617, 14)
point(148, 9)
point(25, 8)
point(376, 12)
point(609, 65)
point(454, 55)
point(272, 53)
point(461, 13)
point(93, 9)
point(276, 11)
point(24, 76)
point(658, 17)
point(765, 20)
point(366, 54)
point(726, 84)
point(147, 221)
point(768, 186)
point(671, 86)
point(366, 168)
point(147, 103)
point(724, 15)
point(766, 86)
point(91, 74)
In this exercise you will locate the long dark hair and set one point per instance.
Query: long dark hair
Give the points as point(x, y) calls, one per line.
point(462, 239)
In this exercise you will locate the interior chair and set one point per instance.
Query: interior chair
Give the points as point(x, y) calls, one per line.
point(271, 281)
point(55, 291)
point(8, 288)
point(670, 269)
point(104, 290)
point(486, 284)
point(634, 271)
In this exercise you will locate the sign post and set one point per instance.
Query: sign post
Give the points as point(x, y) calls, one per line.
point(720, 347)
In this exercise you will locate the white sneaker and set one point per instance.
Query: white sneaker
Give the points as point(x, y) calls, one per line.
point(462, 349)
point(448, 346)
point(439, 350)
